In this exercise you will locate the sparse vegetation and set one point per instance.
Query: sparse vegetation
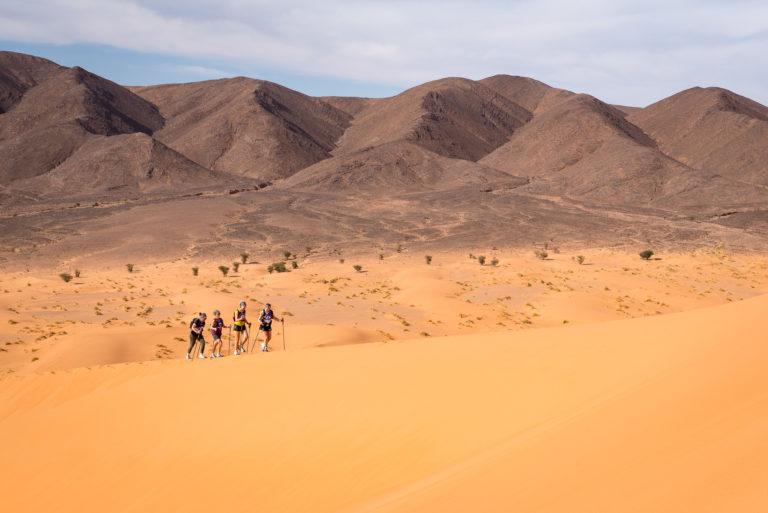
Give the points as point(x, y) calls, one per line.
point(399, 248)
point(428, 258)
point(129, 267)
point(294, 265)
point(341, 260)
point(287, 254)
point(381, 256)
point(580, 259)
point(277, 267)
point(357, 268)
point(646, 255)
point(77, 273)
point(244, 257)
point(495, 261)
point(195, 270)
point(66, 277)
point(481, 259)
point(224, 269)
point(236, 266)
point(541, 254)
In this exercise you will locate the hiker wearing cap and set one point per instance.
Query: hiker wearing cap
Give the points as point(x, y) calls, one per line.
point(217, 325)
point(239, 326)
point(265, 321)
point(196, 333)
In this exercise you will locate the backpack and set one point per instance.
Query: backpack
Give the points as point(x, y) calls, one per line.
point(193, 322)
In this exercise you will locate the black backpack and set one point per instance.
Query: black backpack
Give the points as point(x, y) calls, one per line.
point(194, 321)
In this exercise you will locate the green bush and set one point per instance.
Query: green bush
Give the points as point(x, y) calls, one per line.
point(580, 259)
point(541, 254)
point(646, 255)
point(244, 257)
point(278, 267)
point(357, 268)
point(224, 269)
point(495, 261)
point(287, 254)
point(481, 259)
point(129, 267)
point(195, 270)
point(235, 266)
point(428, 258)
point(294, 265)
point(77, 273)
point(66, 277)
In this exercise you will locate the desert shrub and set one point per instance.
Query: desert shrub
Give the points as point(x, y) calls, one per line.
point(381, 256)
point(495, 261)
point(66, 277)
point(195, 270)
point(357, 268)
point(287, 254)
point(481, 259)
point(399, 248)
point(473, 257)
point(271, 269)
point(541, 254)
point(580, 259)
point(428, 258)
point(244, 257)
point(279, 267)
point(224, 269)
point(77, 273)
point(308, 250)
point(235, 266)
point(129, 267)
point(294, 264)
point(341, 260)
point(646, 255)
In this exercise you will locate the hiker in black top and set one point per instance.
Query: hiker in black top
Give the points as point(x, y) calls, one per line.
point(217, 325)
point(265, 319)
point(196, 333)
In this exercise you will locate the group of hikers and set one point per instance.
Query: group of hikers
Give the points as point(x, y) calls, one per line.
point(239, 325)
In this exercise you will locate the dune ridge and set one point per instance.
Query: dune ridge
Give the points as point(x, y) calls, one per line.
point(626, 416)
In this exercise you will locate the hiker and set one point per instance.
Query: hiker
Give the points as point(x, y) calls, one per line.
point(217, 325)
point(265, 320)
point(240, 330)
point(196, 333)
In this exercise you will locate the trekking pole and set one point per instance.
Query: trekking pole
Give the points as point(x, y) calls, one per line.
point(229, 340)
point(256, 339)
point(282, 321)
point(194, 349)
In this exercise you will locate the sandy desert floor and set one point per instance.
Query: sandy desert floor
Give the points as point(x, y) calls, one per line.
point(528, 385)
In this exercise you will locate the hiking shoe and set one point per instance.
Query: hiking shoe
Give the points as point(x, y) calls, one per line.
point(236, 353)
point(218, 355)
point(188, 357)
point(201, 355)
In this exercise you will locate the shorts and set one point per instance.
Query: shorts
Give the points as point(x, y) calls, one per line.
point(216, 336)
point(265, 327)
point(238, 328)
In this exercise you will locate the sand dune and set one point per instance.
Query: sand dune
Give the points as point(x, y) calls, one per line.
point(656, 414)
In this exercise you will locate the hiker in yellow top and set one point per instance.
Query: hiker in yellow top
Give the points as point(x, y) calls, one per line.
point(239, 326)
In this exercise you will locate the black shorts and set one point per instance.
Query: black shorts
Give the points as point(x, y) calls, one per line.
point(265, 327)
point(216, 336)
point(238, 328)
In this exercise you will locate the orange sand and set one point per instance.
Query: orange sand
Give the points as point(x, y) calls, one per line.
point(661, 413)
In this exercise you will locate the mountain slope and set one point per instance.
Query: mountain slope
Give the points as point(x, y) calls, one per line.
point(712, 129)
point(453, 117)
point(246, 127)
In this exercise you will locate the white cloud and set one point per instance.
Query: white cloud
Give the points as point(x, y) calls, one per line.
point(623, 51)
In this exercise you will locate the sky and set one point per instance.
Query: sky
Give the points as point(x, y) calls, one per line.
point(623, 52)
